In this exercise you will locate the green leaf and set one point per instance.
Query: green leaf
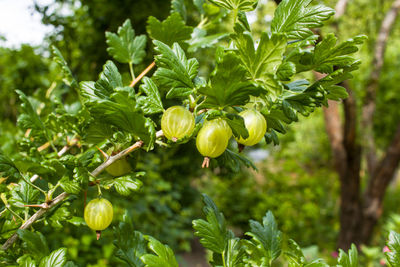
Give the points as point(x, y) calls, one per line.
point(70, 186)
point(295, 255)
point(29, 119)
point(7, 167)
point(109, 79)
point(57, 258)
point(23, 194)
point(274, 120)
point(234, 253)
point(271, 137)
point(174, 69)
point(266, 237)
point(328, 54)
point(393, 243)
point(350, 260)
point(123, 112)
point(151, 104)
point(125, 184)
point(126, 47)
point(243, 5)
point(337, 93)
point(236, 122)
point(228, 85)
point(70, 264)
point(200, 39)
point(26, 262)
point(130, 244)
point(295, 18)
point(212, 233)
point(171, 30)
point(164, 255)
point(289, 111)
point(97, 132)
point(234, 161)
point(59, 215)
point(67, 73)
point(286, 71)
point(34, 243)
point(178, 6)
point(264, 62)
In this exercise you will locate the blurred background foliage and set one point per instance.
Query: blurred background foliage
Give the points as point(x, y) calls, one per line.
point(295, 180)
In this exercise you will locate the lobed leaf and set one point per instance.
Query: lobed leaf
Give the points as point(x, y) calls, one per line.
point(151, 104)
point(125, 47)
point(348, 260)
point(130, 244)
point(266, 237)
point(228, 85)
point(175, 71)
point(212, 233)
point(393, 256)
point(172, 30)
point(296, 18)
point(242, 5)
point(164, 255)
point(56, 258)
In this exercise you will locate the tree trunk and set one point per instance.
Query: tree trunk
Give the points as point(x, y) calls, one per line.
point(378, 183)
point(358, 216)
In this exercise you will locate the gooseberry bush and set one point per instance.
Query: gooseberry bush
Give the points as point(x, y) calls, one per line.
point(258, 85)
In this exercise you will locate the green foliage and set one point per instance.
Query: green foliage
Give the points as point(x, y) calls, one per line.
point(130, 247)
point(262, 249)
point(58, 152)
point(264, 62)
point(393, 256)
point(296, 18)
point(349, 260)
point(175, 70)
point(171, 30)
point(164, 255)
point(126, 47)
point(242, 5)
point(213, 233)
point(265, 240)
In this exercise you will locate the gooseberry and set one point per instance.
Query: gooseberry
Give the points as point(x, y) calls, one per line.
point(212, 139)
point(256, 126)
point(119, 167)
point(177, 122)
point(98, 214)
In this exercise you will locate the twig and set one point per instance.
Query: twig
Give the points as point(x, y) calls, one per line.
point(141, 75)
point(369, 107)
point(35, 217)
point(110, 160)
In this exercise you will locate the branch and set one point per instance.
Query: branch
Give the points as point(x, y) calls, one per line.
point(373, 84)
point(382, 176)
point(35, 217)
point(110, 160)
point(141, 75)
point(340, 8)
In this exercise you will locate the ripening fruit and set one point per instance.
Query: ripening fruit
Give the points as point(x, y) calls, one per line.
point(119, 168)
point(98, 214)
point(213, 138)
point(256, 126)
point(177, 122)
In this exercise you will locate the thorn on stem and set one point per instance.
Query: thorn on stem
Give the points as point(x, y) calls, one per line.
point(206, 162)
point(105, 155)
